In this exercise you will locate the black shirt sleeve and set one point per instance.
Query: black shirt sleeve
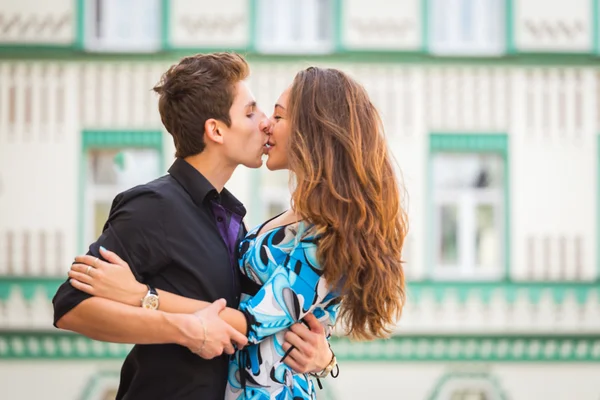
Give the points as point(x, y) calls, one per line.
point(134, 231)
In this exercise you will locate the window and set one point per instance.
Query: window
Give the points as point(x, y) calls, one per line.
point(291, 26)
point(468, 387)
point(469, 208)
point(115, 162)
point(123, 25)
point(467, 27)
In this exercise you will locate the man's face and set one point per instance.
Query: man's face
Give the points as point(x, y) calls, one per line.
point(244, 141)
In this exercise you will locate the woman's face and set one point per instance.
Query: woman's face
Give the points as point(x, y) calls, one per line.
point(279, 135)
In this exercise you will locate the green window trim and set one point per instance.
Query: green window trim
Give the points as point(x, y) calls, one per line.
point(23, 345)
point(449, 142)
point(112, 139)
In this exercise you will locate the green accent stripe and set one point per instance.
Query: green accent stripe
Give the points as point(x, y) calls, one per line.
point(475, 142)
point(19, 345)
point(116, 139)
point(252, 25)
point(596, 26)
point(165, 24)
point(425, 6)
point(510, 27)
point(80, 24)
point(339, 18)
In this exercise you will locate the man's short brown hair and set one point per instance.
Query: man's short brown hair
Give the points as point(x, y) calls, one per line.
point(196, 89)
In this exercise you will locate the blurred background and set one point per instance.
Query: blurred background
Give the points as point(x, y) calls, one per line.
point(491, 109)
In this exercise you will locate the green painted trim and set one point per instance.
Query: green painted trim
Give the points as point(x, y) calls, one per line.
point(103, 139)
point(20, 345)
point(470, 143)
point(107, 139)
point(509, 24)
point(252, 25)
point(80, 24)
point(596, 26)
point(472, 348)
point(450, 376)
point(22, 52)
point(338, 29)
point(165, 24)
point(416, 290)
point(93, 386)
point(425, 7)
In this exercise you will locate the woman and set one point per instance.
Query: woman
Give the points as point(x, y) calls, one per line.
point(334, 253)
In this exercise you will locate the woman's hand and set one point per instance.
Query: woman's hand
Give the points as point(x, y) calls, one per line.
point(311, 349)
point(112, 280)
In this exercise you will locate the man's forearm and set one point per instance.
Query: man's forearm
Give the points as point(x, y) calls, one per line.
point(109, 321)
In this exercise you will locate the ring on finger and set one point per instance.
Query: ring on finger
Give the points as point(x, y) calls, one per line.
point(87, 271)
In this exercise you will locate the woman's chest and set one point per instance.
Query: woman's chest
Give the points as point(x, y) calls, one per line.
point(261, 255)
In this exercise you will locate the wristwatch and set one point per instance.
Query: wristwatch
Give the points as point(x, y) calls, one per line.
point(150, 301)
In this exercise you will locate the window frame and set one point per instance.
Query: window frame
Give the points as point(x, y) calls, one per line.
point(92, 44)
point(104, 140)
point(486, 143)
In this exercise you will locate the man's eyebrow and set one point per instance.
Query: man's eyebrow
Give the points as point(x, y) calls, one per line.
point(251, 104)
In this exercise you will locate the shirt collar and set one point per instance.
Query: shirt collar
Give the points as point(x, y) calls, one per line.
point(201, 190)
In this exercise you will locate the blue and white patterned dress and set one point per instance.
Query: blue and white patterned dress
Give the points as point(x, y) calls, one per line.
point(283, 264)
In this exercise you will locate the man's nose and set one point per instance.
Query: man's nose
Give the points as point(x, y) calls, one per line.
point(265, 125)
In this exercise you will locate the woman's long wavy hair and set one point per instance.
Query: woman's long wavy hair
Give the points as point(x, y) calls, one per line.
point(346, 186)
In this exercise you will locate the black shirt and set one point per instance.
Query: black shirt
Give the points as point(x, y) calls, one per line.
point(167, 232)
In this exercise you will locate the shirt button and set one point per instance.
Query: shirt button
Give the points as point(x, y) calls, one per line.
point(220, 219)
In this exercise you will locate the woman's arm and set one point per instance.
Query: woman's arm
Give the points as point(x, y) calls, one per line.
point(115, 281)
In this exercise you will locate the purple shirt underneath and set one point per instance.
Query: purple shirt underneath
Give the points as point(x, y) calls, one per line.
point(229, 224)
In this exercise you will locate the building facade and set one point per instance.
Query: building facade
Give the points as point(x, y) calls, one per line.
point(492, 111)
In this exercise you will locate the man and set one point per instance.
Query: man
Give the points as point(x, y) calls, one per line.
point(179, 233)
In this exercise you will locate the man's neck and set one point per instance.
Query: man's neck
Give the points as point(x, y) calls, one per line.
point(213, 167)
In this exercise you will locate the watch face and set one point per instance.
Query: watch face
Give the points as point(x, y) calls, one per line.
point(150, 302)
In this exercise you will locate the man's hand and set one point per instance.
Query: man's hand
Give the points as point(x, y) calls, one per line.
point(209, 336)
point(312, 352)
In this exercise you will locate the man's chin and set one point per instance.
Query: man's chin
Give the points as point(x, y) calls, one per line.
point(254, 164)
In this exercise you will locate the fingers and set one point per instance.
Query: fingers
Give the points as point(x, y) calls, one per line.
point(236, 337)
point(82, 286)
point(302, 331)
point(313, 323)
point(228, 349)
point(295, 359)
point(295, 340)
point(112, 257)
point(81, 277)
point(92, 261)
point(217, 306)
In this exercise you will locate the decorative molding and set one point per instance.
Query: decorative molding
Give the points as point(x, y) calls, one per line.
point(23, 25)
point(211, 26)
point(552, 30)
point(434, 348)
point(388, 27)
point(471, 349)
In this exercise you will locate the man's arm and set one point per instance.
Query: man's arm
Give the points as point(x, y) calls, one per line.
point(135, 229)
point(109, 321)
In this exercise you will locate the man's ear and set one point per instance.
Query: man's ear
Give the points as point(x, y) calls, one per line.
point(211, 131)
